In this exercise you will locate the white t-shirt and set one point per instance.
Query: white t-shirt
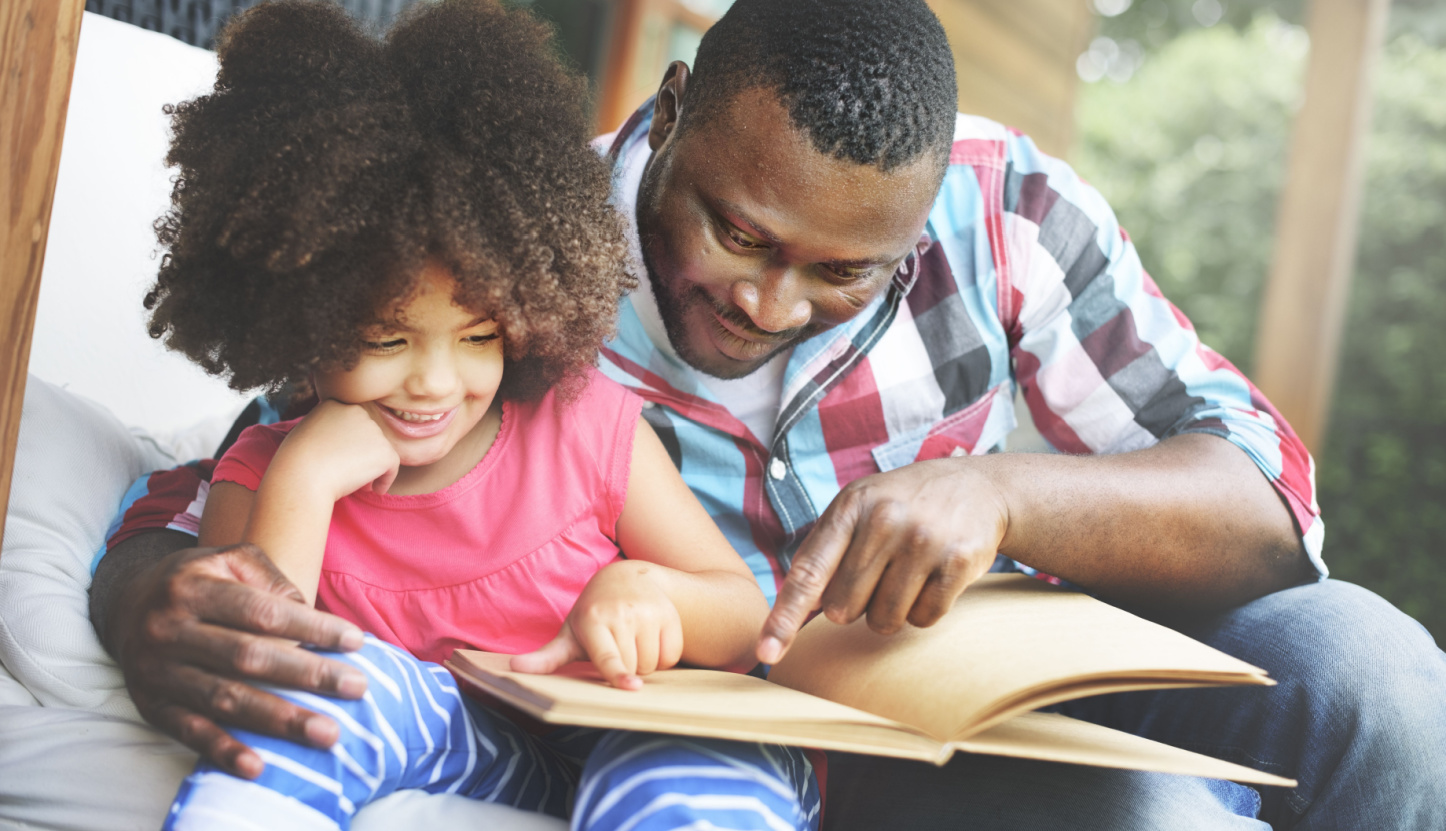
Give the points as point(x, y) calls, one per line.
point(753, 399)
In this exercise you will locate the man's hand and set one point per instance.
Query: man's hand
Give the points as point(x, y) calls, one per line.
point(897, 546)
point(1188, 526)
point(199, 620)
point(623, 622)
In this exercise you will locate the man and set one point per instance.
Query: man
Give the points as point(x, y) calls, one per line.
point(845, 282)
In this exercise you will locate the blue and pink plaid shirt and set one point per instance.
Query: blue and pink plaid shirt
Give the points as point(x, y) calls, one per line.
point(1023, 277)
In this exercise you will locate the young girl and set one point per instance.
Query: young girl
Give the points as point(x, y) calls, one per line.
point(416, 228)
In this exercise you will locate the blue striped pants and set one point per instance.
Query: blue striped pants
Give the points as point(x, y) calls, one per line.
point(415, 729)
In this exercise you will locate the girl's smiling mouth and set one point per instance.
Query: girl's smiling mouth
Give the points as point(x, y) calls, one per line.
point(414, 424)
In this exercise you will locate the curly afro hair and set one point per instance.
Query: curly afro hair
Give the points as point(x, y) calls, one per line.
point(327, 167)
point(871, 81)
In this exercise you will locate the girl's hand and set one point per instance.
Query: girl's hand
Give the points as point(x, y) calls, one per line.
point(339, 449)
point(623, 622)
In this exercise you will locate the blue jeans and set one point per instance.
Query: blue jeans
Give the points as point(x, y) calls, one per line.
point(1358, 718)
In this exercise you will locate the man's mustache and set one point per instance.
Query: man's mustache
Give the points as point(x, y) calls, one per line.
point(739, 320)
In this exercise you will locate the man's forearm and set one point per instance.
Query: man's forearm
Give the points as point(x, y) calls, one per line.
point(118, 570)
point(1189, 525)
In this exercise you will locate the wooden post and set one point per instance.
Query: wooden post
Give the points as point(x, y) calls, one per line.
point(615, 101)
point(38, 41)
point(1298, 339)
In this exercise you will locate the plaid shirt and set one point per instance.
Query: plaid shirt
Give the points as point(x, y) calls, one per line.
point(1023, 276)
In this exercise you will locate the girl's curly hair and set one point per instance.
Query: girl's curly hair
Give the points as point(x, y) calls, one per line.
point(327, 167)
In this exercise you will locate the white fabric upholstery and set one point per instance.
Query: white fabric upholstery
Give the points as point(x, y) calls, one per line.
point(73, 464)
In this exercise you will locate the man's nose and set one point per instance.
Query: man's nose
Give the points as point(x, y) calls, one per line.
point(775, 300)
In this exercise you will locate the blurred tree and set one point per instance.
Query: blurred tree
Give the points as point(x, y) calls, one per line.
point(1191, 150)
point(1155, 23)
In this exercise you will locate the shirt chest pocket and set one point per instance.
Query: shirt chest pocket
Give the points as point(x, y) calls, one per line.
point(973, 430)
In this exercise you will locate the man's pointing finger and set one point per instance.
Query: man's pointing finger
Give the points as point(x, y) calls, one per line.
point(812, 569)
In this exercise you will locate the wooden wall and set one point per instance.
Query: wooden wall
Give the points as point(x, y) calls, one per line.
point(1015, 60)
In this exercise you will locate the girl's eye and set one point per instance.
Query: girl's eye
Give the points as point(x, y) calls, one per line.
point(478, 340)
point(383, 345)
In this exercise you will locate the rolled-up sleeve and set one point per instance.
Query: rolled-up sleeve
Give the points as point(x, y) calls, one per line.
point(1105, 362)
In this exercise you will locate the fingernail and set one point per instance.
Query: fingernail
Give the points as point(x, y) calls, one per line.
point(249, 765)
point(351, 640)
point(770, 649)
point(351, 685)
point(321, 732)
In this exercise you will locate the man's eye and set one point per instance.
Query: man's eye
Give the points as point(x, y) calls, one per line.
point(846, 274)
point(743, 240)
point(383, 345)
point(478, 340)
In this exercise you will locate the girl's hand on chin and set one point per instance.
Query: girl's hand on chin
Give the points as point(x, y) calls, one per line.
point(340, 449)
point(623, 622)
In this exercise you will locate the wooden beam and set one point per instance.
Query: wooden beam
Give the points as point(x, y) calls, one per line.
point(1299, 334)
point(38, 42)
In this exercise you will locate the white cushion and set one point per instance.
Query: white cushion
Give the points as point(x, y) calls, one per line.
point(73, 464)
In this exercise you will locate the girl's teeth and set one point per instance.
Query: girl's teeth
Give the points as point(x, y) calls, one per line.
point(419, 417)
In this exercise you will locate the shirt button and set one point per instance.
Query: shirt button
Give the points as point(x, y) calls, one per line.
point(777, 469)
point(648, 405)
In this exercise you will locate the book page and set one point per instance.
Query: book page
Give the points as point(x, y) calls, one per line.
point(696, 702)
point(1010, 644)
point(1055, 738)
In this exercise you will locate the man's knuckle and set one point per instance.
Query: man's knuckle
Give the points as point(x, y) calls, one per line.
point(921, 538)
point(809, 574)
point(192, 729)
point(160, 629)
point(889, 515)
point(252, 656)
point(225, 697)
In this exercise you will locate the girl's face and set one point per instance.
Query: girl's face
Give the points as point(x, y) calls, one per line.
point(428, 377)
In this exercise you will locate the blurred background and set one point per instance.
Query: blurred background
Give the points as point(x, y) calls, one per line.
point(1186, 115)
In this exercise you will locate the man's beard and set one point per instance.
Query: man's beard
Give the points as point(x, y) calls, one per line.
point(673, 305)
point(673, 309)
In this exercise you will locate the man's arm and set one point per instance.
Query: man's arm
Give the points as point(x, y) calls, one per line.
point(1188, 526)
point(1203, 518)
point(185, 624)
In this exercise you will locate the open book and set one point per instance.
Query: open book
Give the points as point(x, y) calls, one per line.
point(1010, 645)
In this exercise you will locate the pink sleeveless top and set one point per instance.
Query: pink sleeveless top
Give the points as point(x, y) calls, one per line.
point(495, 560)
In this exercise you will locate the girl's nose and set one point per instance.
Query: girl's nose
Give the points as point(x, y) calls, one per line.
point(433, 375)
point(774, 301)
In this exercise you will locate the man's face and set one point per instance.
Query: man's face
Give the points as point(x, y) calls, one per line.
point(754, 241)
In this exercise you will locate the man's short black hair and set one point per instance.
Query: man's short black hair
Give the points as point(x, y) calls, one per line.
point(871, 81)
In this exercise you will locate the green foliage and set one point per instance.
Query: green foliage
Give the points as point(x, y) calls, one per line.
point(1191, 154)
point(1383, 475)
point(1156, 23)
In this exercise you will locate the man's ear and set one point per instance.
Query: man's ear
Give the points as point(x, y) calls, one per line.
point(668, 105)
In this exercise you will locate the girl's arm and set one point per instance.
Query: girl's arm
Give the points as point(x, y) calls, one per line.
point(334, 451)
point(683, 593)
